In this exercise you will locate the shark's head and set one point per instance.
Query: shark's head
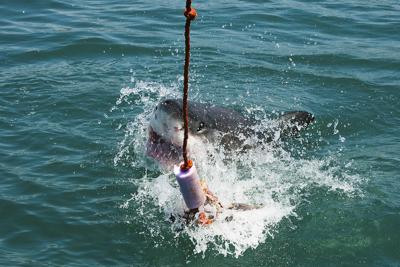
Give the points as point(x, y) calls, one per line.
point(206, 123)
point(166, 124)
point(166, 131)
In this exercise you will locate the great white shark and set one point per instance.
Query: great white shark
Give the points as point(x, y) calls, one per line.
point(220, 126)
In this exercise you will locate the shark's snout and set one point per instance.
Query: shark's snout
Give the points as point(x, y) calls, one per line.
point(171, 107)
point(166, 130)
point(166, 123)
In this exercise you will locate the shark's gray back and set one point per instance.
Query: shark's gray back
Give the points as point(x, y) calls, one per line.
point(219, 118)
point(233, 125)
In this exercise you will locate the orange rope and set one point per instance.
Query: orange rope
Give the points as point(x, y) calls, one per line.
point(190, 14)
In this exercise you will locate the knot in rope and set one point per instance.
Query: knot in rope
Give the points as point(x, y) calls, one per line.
point(190, 13)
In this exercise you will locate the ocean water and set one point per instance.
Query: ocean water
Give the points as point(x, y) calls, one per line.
point(78, 83)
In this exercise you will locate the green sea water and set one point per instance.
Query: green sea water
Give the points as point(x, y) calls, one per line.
point(78, 83)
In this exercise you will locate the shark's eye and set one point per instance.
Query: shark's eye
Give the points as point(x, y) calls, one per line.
point(201, 126)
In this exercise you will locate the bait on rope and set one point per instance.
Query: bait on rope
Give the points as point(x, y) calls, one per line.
point(194, 193)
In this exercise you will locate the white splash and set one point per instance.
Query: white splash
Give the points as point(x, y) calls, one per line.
point(266, 176)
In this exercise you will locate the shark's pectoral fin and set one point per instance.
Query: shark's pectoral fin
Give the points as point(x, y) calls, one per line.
point(291, 123)
point(232, 141)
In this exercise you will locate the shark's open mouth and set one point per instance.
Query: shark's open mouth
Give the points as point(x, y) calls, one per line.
point(160, 149)
point(154, 137)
